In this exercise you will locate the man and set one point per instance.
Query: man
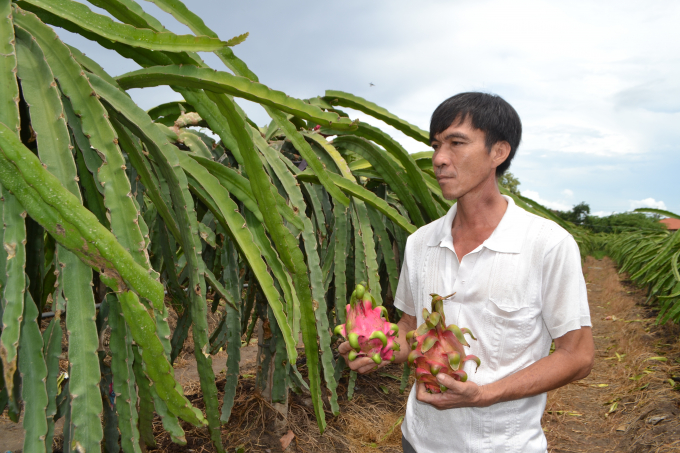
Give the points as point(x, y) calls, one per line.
point(518, 284)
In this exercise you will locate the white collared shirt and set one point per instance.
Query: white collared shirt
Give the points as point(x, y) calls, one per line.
point(517, 291)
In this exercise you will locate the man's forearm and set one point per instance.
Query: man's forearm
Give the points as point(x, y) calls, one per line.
point(572, 359)
point(563, 366)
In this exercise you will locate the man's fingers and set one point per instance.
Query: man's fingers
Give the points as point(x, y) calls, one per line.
point(367, 368)
point(344, 347)
point(422, 393)
point(447, 381)
point(365, 364)
point(362, 364)
point(372, 366)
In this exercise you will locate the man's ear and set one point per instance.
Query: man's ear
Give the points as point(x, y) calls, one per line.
point(500, 152)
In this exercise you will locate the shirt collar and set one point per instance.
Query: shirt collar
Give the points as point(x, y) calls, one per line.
point(506, 238)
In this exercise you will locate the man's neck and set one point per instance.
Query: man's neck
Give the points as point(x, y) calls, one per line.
point(478, 214)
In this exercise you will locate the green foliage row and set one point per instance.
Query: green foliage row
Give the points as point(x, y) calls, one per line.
point(651, 259)
point(624, 222)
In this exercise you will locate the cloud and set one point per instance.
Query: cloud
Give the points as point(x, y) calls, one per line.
point(552, 134)
point(648, 203)
point(602, 213)
point(547, 203)
point(661, 96)
point(568, 193)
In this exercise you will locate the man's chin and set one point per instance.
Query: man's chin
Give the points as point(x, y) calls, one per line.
point(450, 193)
point(450, 196)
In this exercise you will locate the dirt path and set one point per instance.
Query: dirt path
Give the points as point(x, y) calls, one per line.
point(186, 371)
point(627, 404)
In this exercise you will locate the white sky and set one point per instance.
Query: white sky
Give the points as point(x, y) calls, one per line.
point(595, 83)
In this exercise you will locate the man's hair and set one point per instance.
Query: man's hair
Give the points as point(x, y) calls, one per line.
point(488, 112)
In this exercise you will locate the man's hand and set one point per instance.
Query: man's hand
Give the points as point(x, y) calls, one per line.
point(361, 365)
point(458, 394)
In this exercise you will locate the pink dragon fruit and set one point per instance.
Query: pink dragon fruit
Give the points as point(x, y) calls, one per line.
point(367, 329)
point(438, 348)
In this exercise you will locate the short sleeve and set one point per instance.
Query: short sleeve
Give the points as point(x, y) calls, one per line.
point(565, 298)
point(403, 300)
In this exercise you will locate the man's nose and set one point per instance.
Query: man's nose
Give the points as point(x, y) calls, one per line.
point(440, 159)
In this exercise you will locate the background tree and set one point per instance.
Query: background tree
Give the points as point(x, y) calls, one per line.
point(577, 214)
point(510, 182)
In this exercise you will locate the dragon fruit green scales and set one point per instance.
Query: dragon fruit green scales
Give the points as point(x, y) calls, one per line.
point(438, 348)
point(367, 329)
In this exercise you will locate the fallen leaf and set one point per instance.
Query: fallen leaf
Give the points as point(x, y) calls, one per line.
point(572, 413)
point(660, 359)
point(287, 439)
point(399, 420)
point(656, 420)
point(622, 428)
point(396, 378)
point(599, 385)
point(385, 390)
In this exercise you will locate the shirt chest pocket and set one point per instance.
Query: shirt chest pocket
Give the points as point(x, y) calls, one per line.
point(511, 285)
point(508, 314)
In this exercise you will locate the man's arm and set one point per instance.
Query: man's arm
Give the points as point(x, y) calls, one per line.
point(572, 359)
point(366, 364)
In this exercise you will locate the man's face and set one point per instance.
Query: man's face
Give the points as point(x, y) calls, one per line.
point(461, 160)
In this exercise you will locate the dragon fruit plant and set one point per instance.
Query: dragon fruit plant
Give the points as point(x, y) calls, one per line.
point(367, 329)
point(438, 348)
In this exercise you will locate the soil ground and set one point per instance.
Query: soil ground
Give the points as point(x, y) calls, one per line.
point(629, 403)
